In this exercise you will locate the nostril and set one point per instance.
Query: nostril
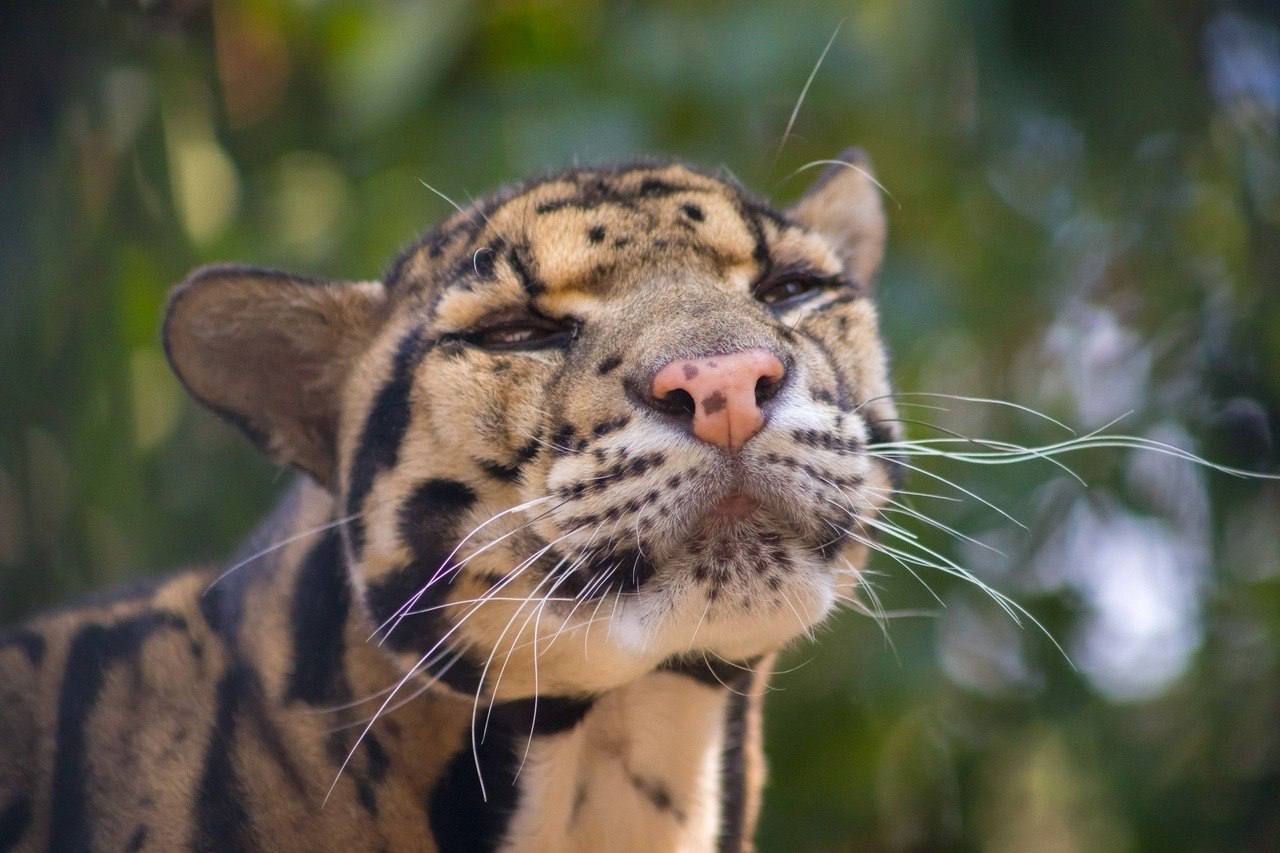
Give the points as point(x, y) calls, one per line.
point(766, 389)
point(675, 402)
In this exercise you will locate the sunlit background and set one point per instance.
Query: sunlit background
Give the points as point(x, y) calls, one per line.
point(1085, 218)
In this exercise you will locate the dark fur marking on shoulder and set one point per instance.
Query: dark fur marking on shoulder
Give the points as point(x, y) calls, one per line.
point(321, 603)
point(94, 649)
point(14, 820)
point(547, 715)
point(733, 772)
point(461, 819)
point(384, 430)
point(596, 234)
point(221, 821)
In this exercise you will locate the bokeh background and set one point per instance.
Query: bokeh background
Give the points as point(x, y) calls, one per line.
point(1085, 218)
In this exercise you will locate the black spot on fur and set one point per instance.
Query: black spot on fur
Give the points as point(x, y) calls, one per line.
point(605, 427)
point(608, 364)
point(384, 429)
point(561, 438)
point(321, 601)
point(499, 471)
point(693, 212)
point(596, 234)
point(94, 650)
point(14, 820)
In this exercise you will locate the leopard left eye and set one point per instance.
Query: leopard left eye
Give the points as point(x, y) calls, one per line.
point(522, 334)
point(786, 292)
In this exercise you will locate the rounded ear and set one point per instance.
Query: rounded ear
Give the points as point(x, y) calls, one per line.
point(270, 353)
point(844, 206)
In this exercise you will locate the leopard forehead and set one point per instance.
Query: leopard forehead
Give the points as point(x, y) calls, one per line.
point(587, 228)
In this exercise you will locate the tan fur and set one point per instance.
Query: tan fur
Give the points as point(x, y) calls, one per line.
point(502, 570)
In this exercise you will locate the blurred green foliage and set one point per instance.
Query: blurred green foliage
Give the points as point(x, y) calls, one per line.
point(1085, 218)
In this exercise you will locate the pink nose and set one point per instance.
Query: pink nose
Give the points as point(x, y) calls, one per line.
point(726, 390)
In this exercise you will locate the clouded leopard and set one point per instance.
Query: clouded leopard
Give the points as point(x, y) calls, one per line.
point(570, 474)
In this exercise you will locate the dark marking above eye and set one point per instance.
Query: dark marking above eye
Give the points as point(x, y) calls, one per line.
point(528, 280)
point(596, 234)
point(690, 371)
point(714, 402)
point(654, 188)
point(608, 364)
point(693, 212)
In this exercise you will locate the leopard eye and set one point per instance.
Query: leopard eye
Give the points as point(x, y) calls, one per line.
point(785, 292)
point(528, 333)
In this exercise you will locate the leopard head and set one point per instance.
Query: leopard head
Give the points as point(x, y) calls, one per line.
point(584, 427)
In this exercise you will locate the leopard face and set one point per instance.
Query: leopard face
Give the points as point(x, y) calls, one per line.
point(589, 426)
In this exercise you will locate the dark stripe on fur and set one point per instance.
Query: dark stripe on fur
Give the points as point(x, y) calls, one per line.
point(221, 821)
point(548, 715)
point(428, 522)
point(321, 602)
point(384, 429)
point(461, 819)
point(14, 820)
point(733, 778)
point(93, 650)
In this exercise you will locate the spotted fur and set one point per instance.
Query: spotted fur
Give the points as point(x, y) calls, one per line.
point(504, 552)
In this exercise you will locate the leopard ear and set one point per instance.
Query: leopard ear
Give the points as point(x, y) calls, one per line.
point(844, 206)
point(270, 352)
